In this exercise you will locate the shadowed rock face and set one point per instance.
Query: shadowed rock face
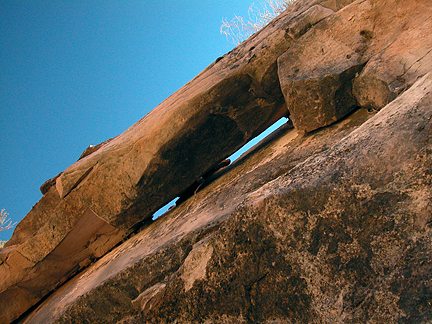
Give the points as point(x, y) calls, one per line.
point(347, 204)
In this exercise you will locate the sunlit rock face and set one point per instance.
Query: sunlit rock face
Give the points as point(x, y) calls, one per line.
point(328, 227)
point(364, 55)
point(326, 221)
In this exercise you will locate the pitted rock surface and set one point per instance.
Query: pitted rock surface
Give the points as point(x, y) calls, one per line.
point(329, 227)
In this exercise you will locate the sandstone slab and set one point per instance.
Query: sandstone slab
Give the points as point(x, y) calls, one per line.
point(318, 62)
point(363, 55)
point(329, 227)
point(123, 181)
point(406, 56)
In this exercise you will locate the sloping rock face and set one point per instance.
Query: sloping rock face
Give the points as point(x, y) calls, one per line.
point(125, 180)
point(329, 226)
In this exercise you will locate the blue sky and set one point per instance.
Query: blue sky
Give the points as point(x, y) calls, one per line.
point(78, 72)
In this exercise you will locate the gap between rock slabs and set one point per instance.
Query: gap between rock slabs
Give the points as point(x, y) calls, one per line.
point(233, 158)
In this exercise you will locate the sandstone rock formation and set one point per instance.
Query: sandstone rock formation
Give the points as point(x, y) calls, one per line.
point(328, 226)
point(365, 55)
point(331, 227)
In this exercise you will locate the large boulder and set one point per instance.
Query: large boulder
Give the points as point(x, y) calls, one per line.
point(405, 57)
point(364, 55)
point(329, 227)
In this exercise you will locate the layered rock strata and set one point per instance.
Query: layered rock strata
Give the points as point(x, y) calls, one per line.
point(317, 62)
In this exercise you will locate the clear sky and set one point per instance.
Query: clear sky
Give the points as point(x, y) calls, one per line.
point(78, 72)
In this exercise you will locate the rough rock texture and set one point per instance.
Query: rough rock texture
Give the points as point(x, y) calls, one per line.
point(364, 55)
point(329, 226)
point(130, 177)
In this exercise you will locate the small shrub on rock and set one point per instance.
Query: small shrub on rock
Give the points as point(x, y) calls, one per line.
point(239, 29)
